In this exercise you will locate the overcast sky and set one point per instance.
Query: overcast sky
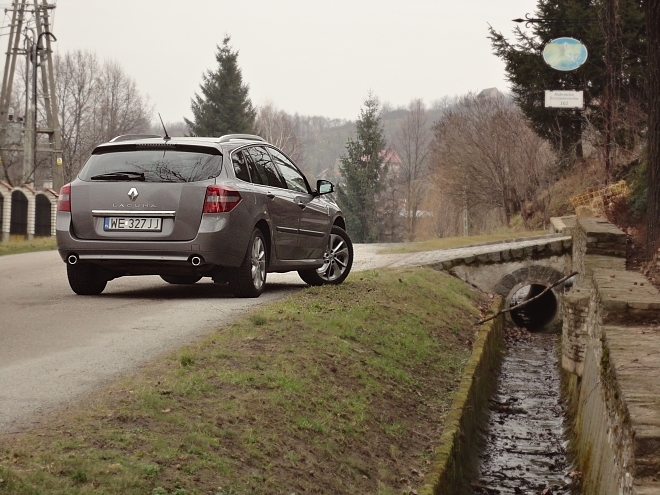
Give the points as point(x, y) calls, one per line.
point(314, 57)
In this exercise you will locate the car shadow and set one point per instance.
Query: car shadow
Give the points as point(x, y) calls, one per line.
point(194, 291)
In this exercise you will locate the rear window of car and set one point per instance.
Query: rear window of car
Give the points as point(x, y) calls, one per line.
point(152, 163)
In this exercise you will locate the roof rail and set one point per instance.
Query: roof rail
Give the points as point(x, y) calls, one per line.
point(132, 137)
point(248, 137)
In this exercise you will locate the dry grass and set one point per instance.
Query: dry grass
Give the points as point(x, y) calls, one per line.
point(25, 246)
point(335, 390)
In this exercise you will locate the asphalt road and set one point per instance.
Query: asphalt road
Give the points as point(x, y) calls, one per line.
point(55, 346)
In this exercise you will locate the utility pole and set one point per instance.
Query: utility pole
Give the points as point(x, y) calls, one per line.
point(38, 25)
point(48, 88)
point(17, 19)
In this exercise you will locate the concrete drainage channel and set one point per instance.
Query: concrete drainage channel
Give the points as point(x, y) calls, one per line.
point(505, 431)
point(611, 380)
point(525, 442)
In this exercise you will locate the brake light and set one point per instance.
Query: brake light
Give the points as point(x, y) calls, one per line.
point(64, 200)
point(220, 199)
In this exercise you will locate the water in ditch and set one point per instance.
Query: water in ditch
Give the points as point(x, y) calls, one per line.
point(525, 441)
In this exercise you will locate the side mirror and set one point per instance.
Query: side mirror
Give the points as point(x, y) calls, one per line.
point(324, 187)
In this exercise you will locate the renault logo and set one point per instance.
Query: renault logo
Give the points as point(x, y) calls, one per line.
point(133, 193)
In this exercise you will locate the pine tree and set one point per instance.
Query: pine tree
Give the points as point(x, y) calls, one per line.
point(363, 170)
point(224, 106)
point(530, 76)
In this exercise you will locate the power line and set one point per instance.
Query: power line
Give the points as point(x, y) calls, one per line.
point(21, 26)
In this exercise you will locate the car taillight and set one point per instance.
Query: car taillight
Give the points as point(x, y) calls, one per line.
point(220, 199)
point(64, 200)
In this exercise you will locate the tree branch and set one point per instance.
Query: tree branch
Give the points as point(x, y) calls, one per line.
point(525, 303)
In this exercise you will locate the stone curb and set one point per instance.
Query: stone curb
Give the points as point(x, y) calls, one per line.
point(556, 248)
point(460, 434)
point(515, 239)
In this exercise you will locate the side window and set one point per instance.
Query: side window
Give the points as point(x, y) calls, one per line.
point(258, 176)
point(240, 166)
point(293, 178)
point(265, 167)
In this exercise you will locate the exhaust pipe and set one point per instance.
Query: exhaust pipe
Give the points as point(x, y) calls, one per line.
point(195, 260)
point(72, 259)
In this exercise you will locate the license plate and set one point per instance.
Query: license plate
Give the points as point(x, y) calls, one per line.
point(133, 223)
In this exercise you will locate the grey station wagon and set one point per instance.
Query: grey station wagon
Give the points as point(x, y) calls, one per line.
point(231, 208)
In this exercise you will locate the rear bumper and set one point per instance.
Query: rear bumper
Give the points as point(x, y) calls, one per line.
point(216, 248)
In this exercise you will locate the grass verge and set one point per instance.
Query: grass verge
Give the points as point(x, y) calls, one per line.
point(25, 246)
point(335, 390)
point(454, 242)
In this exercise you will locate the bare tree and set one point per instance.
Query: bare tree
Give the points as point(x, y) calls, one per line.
point(486, 154)
point(77, 81)
point(121, 108)
point(97, 101)
point(281, 129)
point(412, 143)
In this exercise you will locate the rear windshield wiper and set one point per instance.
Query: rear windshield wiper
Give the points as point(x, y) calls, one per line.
point(129, 175)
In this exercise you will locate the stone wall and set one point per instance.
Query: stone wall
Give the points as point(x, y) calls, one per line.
point(597, 244)
point(575, 309)
point(611, 351)
point(449, 473)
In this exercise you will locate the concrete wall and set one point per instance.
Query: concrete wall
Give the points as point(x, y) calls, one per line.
point(611, 353)
point(30, 193)
point(450, 472)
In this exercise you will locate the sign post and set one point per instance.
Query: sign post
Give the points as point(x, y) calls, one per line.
point(564, 99)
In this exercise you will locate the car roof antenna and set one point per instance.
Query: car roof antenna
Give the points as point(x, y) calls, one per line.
point(167, 136)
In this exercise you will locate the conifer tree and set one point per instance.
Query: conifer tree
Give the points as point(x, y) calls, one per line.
point(530, 76)
point(224, 106)
point(363, 169)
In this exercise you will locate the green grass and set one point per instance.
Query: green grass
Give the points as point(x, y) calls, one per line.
point(25, 246)
point(454, 242)
point(334, 390)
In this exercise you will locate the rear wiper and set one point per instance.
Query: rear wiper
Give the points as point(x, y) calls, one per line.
point(129, 175)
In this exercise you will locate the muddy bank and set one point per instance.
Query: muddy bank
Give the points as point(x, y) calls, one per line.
point(524, 442)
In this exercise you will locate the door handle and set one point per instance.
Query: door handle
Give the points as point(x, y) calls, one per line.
point(270, 195)
point(302, 205)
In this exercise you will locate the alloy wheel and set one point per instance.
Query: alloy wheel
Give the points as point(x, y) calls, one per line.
point(336, 259)
point(258, 261)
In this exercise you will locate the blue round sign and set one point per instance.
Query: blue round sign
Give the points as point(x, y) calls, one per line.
point(565, 54)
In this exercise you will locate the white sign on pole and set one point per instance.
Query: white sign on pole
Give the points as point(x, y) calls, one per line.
point(564, 99)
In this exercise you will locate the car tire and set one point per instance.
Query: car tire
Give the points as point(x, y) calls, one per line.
point(338, 258)
point(181, 279)
point(249, 279)
point(85, 280)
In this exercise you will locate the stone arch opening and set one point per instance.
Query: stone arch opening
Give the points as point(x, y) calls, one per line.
point(42, 216)
point(19, 213)
point(541, 315)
